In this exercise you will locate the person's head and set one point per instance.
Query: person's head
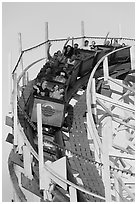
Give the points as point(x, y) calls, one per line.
point(116, 40)
point(59, 53)
point(48, 70)
point(55, 55)
point(86, 42)
point(107, 42)
point(73, 57)
point(68, 48)
point(123, 44)
point(93, 43)
point(44, 84)
point(56, 87)
point(76, 46)
point(63, 74)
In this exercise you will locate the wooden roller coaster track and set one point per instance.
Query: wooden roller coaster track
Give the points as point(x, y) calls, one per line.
point(93, 164)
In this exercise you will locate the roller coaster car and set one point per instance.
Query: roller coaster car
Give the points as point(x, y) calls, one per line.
point(52, 111)
point(87, 57)
point(122, 56)
point(52, 108)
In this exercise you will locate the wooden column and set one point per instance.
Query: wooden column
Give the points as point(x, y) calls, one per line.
point(46, 39)
point(10, 82)
point(82, 32)
point(27, 162)
point(106, 140)
point(40, 146)
point(106, 143)
point(119, 29)
point(105, 69)
point(94, 114)
point(73, 194)
point(15, 109)
point(21, 61)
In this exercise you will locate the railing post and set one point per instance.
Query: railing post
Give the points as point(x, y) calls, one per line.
point(93, 101)
point(94, 114)
point(10, 83)
point(120, 34)
point(15, 110)
point(82, 32)
point(106, 144)
point(72, 42)
point(27, 162)
point(40, 146)
point(46, 39)
point(44, 177)
point(105, 69)
point(21, 61)
point(73, 194)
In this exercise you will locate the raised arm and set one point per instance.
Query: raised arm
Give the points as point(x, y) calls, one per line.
point(66, 43)
point(106, 38)
point(48, 51)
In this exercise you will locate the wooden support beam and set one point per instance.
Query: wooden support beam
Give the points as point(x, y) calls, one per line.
point(120, 84)
point(73, 194)
point(10, 82)
point(27, 162)
point(93, 101)
point(21, 61)
point(105, 69)
point(40, 145)
point(124, 186)
point(15, 110)
point(106, 144)
point(114, 153)
point(46, 39)
point(115, 117)
point(118, 104)
point(20, 143)
point(95, 138)
point(82, 32)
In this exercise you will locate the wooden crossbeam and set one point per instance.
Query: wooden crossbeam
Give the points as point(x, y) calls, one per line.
point(113, 153)
point(118, 104)
point(120, 84)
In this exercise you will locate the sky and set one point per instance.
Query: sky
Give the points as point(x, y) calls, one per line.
point(64, 20)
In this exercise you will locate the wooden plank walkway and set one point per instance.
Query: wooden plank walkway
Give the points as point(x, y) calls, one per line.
point(79, 144)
